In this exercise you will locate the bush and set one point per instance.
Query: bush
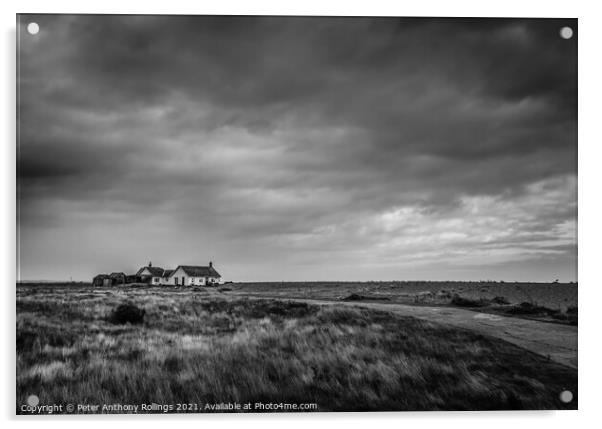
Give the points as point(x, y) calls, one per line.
point(500, 300)
point(570, 316)
point(358, 297)
point(354, 297)
point(127, 313)
point(527, 308)
point(466, 302)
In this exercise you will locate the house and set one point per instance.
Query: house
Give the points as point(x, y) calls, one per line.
point(160, 277)
point(118, 278)
point(164, 279)
point(132, 278)
point(146, 274)
point(102, 280)
point(193, 275)
point(183, 275)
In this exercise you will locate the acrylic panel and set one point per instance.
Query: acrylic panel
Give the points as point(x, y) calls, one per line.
point(295, 214)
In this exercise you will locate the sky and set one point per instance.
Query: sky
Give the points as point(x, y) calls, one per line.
point(298, 148)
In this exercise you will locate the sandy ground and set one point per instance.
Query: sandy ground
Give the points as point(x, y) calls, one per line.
point(552, 340)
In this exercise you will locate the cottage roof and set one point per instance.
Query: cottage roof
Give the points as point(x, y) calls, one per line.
point(199, 271)
point(155, 271)
point(167, 273)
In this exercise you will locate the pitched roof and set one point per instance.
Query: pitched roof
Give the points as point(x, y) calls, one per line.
point(155, 271)
point(102, 276)
point(116, 274)
point(199, 271)
point(167, 273)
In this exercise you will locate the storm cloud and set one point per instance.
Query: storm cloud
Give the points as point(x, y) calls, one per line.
point(298, 148)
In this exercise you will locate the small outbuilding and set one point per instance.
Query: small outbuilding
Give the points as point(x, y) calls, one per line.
point(102, 280)
point(118, 278)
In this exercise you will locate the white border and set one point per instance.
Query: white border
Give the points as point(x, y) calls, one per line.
point(590, 213)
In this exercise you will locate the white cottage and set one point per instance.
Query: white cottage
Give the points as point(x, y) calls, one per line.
point(193, 275)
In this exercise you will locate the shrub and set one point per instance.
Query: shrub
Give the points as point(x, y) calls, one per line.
point(500, 300)
point(466, 302)
point(571, 315)
point(354, 297)
point(127, 313)
point(523, 308)
point(527, 308)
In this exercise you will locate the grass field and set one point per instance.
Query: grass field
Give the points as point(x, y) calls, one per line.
point(204, 347)
point(552, 302)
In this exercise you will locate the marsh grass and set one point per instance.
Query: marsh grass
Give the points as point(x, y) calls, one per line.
point(205, 348)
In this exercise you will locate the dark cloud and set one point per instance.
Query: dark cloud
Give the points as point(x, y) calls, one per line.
point(387, 144)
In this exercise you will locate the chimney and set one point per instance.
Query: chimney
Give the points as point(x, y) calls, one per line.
point(150, 264)
point(210, 264)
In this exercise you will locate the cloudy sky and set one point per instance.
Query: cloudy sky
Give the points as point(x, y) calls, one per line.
point(298, 148)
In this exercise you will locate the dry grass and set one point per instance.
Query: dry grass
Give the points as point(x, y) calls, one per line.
point(210, 348)
point(552, 295)
point(556, 301)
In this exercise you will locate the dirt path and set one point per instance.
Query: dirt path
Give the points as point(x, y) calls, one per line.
point(553, 340)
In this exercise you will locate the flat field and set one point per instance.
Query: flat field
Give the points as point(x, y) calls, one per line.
point(553, 295)
point(553, 302)
point(205, 349)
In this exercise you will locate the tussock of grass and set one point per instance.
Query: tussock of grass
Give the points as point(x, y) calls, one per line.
point(205, 349)
point(127, 313)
